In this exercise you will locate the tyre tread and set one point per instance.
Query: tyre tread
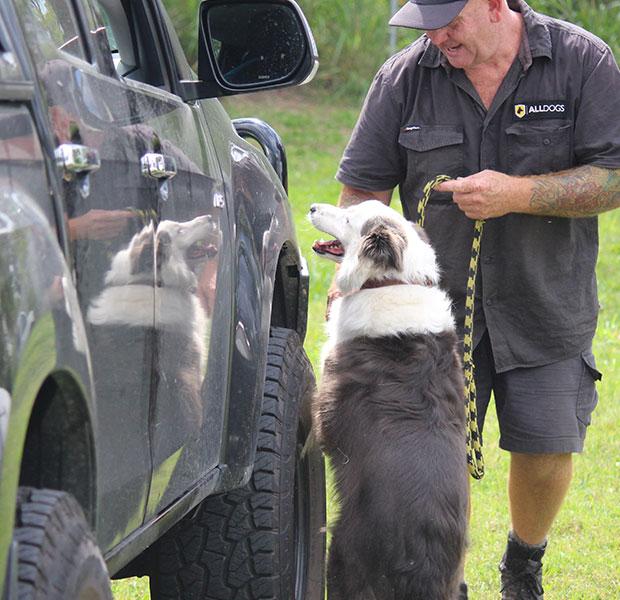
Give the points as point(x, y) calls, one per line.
point(52, 536)
point(238, 553)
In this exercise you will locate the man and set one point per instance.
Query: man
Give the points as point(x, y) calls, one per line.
point(523, 111)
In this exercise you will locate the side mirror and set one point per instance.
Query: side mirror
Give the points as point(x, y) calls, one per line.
point(251, 45)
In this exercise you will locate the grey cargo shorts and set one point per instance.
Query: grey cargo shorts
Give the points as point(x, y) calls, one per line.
point(540, 410)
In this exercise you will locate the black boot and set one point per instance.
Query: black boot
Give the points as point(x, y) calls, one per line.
point(521, 570)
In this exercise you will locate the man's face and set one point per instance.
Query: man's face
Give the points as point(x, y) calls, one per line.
point(467, 41)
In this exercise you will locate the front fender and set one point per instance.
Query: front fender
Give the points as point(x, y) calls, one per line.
point(264, 227)
point(42, 333)
point(264, 242)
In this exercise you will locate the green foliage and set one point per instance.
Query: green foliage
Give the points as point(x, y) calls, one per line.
point(601, 17)
point(353, 41)
point(353, 36)
point(184, 15)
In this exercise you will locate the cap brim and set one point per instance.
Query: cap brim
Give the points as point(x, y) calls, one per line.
point(427, 16)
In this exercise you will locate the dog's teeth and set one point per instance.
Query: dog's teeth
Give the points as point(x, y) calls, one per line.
point(330, 249)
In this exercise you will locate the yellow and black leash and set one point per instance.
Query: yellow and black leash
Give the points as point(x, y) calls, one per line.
point(475, 461)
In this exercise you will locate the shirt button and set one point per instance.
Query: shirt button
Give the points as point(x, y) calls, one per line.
point(489, 302)
point(488, 260)
point(546, 141)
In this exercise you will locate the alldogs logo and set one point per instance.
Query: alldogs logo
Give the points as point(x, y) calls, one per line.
point(541, 110)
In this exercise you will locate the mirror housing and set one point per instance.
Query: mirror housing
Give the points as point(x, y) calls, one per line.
point(251, 45)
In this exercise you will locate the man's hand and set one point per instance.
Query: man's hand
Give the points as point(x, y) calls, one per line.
point(99, 224)
point(488, 194)
point(582, 191)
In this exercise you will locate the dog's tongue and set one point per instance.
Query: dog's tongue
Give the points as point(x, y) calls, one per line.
point(333, 247)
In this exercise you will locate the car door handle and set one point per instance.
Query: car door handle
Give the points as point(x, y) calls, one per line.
point(75, 159)
point(158, 166)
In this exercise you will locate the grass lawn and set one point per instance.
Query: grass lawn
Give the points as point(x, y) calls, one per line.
point(583, 559)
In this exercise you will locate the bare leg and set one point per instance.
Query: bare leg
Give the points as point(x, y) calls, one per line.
point(537, 486)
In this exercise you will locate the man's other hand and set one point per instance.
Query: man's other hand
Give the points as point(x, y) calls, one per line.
point(488, 194)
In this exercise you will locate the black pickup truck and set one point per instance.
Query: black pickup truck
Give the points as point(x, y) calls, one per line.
point(154, 390)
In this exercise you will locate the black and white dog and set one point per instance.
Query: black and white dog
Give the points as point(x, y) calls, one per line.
point(390, 412)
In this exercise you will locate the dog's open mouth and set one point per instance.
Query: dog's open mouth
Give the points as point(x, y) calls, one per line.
point(329, 249)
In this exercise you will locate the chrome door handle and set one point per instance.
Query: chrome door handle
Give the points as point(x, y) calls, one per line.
point(75, 159)
point(158, 166)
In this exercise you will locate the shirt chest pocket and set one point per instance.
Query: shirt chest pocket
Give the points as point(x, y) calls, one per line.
point(535, 148)
point(433, 150)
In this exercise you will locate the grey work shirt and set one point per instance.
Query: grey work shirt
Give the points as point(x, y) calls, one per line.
point(558, 107)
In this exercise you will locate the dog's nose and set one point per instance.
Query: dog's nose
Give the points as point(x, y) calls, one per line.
point(313, 208)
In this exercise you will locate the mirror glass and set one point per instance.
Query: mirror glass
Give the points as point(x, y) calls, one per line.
point(255, 43)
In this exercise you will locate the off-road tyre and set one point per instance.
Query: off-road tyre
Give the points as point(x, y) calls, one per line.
point(267, 539)
point(57, 556)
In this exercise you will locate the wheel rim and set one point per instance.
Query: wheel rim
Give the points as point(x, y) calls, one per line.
point(302, 515)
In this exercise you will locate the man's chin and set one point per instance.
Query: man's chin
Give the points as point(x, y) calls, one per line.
point(457, 61)
point(459, 58)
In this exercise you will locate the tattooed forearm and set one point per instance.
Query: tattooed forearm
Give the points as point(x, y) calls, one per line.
point(581, 192)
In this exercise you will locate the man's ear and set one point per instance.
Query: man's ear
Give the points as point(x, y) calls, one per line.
point(495, 10)
point(383, 244)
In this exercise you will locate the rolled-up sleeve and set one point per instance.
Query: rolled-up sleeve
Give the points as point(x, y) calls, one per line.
point(372, 160)
point(597, 124)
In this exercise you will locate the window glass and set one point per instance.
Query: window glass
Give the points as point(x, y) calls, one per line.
point(109, 33)
point(99, 24)
point(130, 39)
point(57, 19)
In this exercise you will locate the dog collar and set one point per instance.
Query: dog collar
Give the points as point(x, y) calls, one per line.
point(370, 284)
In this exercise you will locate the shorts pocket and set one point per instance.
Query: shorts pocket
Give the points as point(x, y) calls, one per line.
point(588, 396)
point(433, 150)
point(535, 148)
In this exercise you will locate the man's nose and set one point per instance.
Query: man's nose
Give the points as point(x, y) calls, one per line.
point(437, 36)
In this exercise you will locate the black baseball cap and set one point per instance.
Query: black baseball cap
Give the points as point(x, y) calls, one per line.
point(427, 14)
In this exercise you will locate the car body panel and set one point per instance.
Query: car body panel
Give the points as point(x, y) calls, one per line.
point(41, 314)
point(256, 263)
point(104, 210)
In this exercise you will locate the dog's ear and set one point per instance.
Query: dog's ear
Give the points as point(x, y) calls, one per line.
point(164, 248)
point(383, 243)
point(142, 253)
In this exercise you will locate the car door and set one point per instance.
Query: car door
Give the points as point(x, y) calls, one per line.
point(191, 348)
point(111, 212)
